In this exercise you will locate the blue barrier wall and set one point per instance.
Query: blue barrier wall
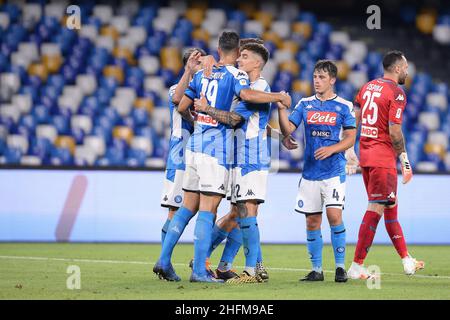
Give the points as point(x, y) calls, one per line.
point(124, 206)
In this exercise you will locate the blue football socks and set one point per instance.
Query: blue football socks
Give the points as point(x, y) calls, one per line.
point(250, 237)
point(174, 231)
point(314, 246)
point(202, 241)
point(338, 242)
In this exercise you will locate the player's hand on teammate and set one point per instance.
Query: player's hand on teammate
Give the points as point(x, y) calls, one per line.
point(201, 104)
point(406, 168)
point(208, 62)
point(352, 161)
point(193, 62)
point(323, 152)
point(289, 142)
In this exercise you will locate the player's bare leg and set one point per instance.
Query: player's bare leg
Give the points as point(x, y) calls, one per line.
point(314, 246)
point(248, 212)
point(394, 229)
point(338, 235)
point(163, 267)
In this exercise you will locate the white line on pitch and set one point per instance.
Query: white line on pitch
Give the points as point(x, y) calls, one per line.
point(185, 264)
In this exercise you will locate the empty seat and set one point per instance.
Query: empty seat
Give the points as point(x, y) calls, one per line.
point(96, 143)
point(23, 102)
point(138, 34)
point(50, 49)
point(10, 111)
point(56, 10)
point(438, 100)
point(156, 163)
point(120, 23)
point(156, 84)
point(84, 156)
point(4, 20)
point(357, 78)
point(340, 37)
point(282, 28)
point(144, 103)
point(87, 83)
point(29, 49)
point(302, 28)
point(30, 160)
point(17, 141)
point(253, 26)
point(103, 12)
point(281, 56)
point(115, 72)
point(429, 120)
point(124, 133)
point(427, 166)
point(150, 64)
point(89, 31)
point(439, 138)
point(142, 143)
point(68, 103)
point(122, 105)
point(83, 122)
point(46, 131)
point(67, 142)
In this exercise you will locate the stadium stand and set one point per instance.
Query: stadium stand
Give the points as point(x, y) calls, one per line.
point(98, 96)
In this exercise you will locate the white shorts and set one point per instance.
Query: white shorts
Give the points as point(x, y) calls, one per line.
point(252, 186)
point(172, 194)
point(313, 195)
point(205, 174)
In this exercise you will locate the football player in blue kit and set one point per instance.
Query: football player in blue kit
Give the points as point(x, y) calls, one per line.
point(325, 115)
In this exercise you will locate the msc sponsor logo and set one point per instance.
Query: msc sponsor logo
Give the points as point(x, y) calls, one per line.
point(340, 249)
point(300, 203)
point(369, 132)
point(208, 120)
point(321, 117)
point(320, 134)
point(178, 199)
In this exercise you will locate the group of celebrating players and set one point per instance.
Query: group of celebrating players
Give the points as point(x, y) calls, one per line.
point(220, 147)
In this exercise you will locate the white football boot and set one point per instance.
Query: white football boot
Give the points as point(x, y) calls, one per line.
point(411, 265)
point(358, 271)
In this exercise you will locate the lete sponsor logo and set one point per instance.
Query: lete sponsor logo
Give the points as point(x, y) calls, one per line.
point(321, 117)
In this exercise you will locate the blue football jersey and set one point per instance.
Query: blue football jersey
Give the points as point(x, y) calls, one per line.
point(210, 136)
point(181, 130)
point(250, 137)
point(323, 121)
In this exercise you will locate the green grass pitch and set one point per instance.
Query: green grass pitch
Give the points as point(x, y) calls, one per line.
point(124, 271)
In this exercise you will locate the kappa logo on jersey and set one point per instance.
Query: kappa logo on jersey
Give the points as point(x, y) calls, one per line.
point(391, 195)
point(369, 132)
point(249, 192)
point(309, 107)
point(320, 134)
point(165, 198)
point(222, 187)
point(400, 97)
point(205, 119)
point(321, 117)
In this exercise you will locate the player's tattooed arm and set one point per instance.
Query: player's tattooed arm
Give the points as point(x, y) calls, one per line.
point(398, 141)
point(230, 118)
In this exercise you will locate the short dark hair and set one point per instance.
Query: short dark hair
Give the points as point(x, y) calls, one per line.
point(188, 53)
point(228, 41)
point(257, 48)
point(391, 58)
point(327, 66)
point(245, 41)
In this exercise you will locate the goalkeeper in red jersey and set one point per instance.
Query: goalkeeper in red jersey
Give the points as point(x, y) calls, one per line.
point(379, 107)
